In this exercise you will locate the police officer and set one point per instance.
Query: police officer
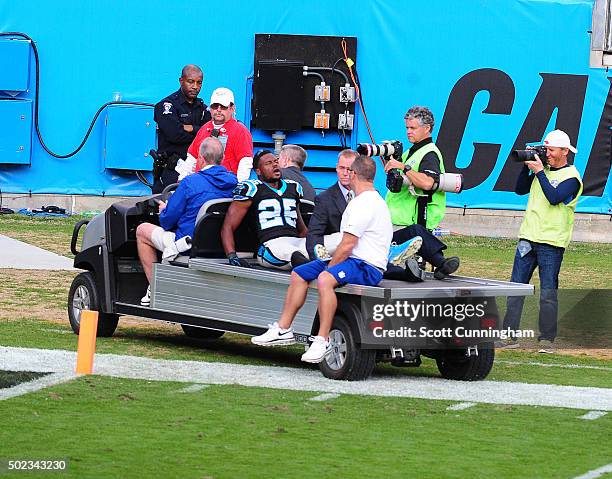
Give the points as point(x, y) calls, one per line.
point(179, 116)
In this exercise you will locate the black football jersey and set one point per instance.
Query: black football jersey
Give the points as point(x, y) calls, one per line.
point(273, 211)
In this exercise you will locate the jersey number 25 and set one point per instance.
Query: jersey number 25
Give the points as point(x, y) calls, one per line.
point(272, 213)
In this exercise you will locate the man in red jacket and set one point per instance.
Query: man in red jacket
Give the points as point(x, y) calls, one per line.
point(235, 137)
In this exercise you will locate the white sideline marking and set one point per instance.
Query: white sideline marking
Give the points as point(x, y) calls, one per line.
point(325, 397)
point(552, 365)
point(194, 388)
point(60, 331)
point(297, 379)
point(595, 473)
point(592, 415)
point(36, 384)
point(461, 406)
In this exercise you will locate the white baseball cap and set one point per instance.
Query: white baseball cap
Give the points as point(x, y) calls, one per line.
point(559, 139)
point(223, 96)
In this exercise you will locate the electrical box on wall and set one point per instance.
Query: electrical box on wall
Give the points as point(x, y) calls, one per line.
point(319, 94)
point(130, 134)
point(278, 91)
point(14, 66)
point(15, 131)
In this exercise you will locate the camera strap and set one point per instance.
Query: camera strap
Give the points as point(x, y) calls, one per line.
point(422, 202)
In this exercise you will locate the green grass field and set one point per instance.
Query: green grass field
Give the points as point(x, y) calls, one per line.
point(110, 427)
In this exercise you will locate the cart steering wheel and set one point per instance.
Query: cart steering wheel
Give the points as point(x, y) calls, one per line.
point(167, 191)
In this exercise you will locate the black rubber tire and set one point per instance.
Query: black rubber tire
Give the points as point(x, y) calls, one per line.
point(201, 333)
point(356, 363)
point(84, 295)
point(454, 364)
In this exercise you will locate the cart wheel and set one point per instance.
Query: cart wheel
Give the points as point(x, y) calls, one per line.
point(201, 333)
point(84, 295)
point(454, 364)
point(346, 360)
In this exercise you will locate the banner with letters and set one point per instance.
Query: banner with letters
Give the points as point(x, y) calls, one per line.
point(497, 75)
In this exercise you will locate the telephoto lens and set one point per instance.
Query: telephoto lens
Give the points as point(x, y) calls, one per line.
point(386, 149)
point(450, 182)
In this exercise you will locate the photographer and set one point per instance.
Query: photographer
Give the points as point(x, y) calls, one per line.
point(545, 232)
point(417, 208)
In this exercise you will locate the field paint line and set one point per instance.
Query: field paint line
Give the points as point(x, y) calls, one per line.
point(299, 379)
point(325, 397)
point(461, 406)
point(552, 365)
point(194, 388)
point(60, 331)
point(595, 473)
point(36, 385)
point(592, 415)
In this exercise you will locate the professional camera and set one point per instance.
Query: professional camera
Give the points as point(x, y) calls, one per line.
point(387, 149)
point(529, 154)
point(449, 182)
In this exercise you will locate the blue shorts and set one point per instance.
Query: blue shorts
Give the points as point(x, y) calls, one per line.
point(352, 270)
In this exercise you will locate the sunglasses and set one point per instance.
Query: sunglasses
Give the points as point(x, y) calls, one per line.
point(218, 106)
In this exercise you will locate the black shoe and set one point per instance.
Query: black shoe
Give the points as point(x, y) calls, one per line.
point(414, 273)
point(298, 259)
point(448, 266)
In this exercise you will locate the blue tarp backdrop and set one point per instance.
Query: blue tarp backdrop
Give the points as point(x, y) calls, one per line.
point(496, 74)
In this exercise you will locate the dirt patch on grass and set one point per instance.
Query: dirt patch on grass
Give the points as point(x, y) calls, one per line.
point(587, 353)
point(33, 293)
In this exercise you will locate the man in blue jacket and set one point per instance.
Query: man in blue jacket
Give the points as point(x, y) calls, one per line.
point(177, 217)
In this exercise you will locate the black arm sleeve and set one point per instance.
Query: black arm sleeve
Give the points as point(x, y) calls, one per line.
point(317, 226)
point(430, 165)
point(564, 192)
point(523, 182)
point(171, 126)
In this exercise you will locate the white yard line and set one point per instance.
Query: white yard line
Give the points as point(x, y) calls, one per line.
point(194, 388)
point(491, 392)
point(36, 384)
point(325, 397)
point(552, 365)
point(592, 415)
point(461, 406)
point(595, 473)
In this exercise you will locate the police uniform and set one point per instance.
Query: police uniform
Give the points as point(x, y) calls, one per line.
point(275, 213)
point(171, 114)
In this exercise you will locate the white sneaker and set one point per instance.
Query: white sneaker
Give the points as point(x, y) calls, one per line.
point(319, 348)
point(274, 336)
point(546, 346)
point(146, 299)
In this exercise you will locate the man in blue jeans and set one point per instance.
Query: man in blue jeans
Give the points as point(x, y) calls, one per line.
point(545, 233)
point(360, 258)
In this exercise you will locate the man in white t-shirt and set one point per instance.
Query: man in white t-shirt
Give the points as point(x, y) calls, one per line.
point(360, 258)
